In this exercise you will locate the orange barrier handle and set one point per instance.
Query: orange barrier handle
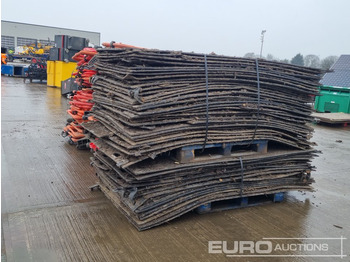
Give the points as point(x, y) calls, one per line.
point(80, 55)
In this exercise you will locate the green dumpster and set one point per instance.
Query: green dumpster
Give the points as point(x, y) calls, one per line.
point(333, 99)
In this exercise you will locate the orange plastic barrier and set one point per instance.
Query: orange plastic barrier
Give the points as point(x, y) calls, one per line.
point(120, 45)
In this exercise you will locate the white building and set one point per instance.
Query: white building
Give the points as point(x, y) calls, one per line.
point(15, 34)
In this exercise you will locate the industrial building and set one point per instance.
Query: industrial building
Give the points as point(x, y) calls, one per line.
point(15, 34)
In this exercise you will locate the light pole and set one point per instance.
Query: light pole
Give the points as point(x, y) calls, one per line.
point(262, 41)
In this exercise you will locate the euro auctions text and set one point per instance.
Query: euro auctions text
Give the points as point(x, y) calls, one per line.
point(279, 247)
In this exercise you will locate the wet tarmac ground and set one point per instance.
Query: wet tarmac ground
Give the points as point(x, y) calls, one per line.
point(50, 214)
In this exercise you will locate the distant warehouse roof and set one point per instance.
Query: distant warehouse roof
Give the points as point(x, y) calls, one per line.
point(15, 34)
point(341, 75)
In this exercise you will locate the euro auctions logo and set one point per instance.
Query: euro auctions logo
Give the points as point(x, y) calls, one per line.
point(280, 247)
point(240, 247)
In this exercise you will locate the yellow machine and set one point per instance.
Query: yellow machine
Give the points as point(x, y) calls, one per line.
point(58, 71)
point(35, 49)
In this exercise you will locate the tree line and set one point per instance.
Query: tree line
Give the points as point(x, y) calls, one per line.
point(299, 59)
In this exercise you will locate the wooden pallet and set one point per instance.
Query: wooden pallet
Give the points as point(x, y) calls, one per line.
point(332, 118)
point(240, 202)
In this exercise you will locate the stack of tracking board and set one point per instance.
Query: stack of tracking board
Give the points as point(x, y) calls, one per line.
point(178, 130)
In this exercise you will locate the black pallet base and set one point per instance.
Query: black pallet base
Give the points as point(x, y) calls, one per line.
point(239, 203)
point(189, 153)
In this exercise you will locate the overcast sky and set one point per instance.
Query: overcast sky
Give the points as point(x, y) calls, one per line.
point(229, 27)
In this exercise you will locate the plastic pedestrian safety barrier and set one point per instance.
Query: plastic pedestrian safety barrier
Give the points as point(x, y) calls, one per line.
point(81, 100)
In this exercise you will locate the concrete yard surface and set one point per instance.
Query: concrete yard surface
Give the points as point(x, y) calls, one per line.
point(50, 214)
